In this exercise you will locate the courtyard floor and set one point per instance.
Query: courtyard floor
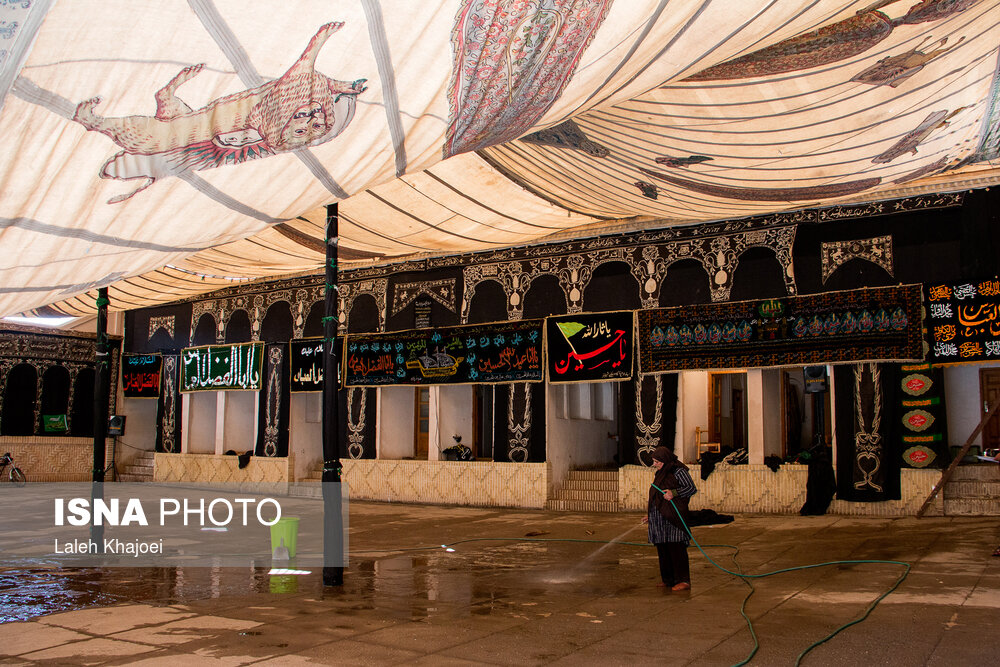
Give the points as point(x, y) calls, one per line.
point(557, 594)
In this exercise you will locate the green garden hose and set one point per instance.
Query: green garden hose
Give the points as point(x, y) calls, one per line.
point(746, 578)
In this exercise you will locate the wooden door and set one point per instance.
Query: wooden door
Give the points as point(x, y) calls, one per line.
point(421, 421)
point(791, 408)
point(989, 389)
point(715, 405)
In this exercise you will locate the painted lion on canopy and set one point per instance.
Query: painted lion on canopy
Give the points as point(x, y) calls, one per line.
point(300, 109)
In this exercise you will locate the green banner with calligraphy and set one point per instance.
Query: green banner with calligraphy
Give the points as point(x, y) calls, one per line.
point(222, 367)
point(475, 354)
point(871, 324)
point(963, 321)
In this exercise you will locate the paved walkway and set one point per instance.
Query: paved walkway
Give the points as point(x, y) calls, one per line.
point(536, 602)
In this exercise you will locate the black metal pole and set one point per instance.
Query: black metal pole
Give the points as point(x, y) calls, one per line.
point(102, 374)
point(333, 526)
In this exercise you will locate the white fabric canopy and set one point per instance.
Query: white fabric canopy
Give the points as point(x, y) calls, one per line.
point(171, 148)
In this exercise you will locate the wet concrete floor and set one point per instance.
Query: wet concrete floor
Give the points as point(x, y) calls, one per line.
point(520, 602)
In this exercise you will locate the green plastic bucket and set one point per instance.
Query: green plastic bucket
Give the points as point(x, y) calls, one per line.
point(285, 533)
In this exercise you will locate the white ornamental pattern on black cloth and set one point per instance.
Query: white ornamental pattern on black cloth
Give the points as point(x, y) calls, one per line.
point(356, 427)
point(168, 425)
point(273, 411)
point(877, 250)
point(868, 444)
point(650, 433)
point(517, 451)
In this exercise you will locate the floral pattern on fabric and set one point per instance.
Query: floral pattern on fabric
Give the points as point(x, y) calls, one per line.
point(513, 58)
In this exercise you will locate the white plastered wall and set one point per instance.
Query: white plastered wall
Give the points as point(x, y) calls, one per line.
point(692, 412)
point(451, 414)
point(140, 425)
point(239, 427)
point(198, 410)
point(771, 415)
point(578, 421)
point(963, 402)
point(395, 423)
point(305, 432)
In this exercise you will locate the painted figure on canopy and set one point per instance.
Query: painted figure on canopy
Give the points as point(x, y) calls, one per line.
point(833, 43)
point(300, 109)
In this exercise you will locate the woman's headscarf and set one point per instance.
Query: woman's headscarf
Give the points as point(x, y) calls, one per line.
point(664, 480)
point(670, 463)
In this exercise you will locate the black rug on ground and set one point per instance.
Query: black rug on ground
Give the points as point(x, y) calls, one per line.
point(708, 517)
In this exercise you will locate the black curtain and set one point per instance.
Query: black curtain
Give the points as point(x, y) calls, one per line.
point(274, 397)
point(359, 411)
point(168, 407)
point(868, 432)
point(18, 414)
point(658, 425)
point(519, 423)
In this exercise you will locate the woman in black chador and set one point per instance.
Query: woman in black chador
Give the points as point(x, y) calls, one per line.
point(666, 530)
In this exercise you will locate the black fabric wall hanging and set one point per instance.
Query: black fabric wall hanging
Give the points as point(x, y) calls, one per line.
point(963, 321)
point(868, 435)
point(306, 358)
point(158, 329)
point(520, 424)
point(477, 354)
point(274, 397)
point(141, 375)
point(649, 404)
point(168, 407)
point(881, 323)
point(922, 416)
point(590, 347)
point(359, 413)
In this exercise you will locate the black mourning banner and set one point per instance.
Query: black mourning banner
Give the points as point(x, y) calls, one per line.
point(922, 413)
point(963, 321)
point(141, 375)
point(868, 433)
point(307, 365)
point(274, 399)
point(168, 409)
point(592, 347)
point(475, 354)
point(870, 324)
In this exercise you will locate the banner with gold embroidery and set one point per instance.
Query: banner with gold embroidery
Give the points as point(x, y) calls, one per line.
point(963, 321)
point(921, 411)
point(869, 324)
point(868, 444)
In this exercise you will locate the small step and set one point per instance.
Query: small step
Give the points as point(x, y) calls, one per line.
point(587, 494)
point(972, 489)
point(593, 475)
point(587, 491)
point(971, 507)
point(590, 485)
point(978, 472)
point(582, 506)
point(139, 468)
